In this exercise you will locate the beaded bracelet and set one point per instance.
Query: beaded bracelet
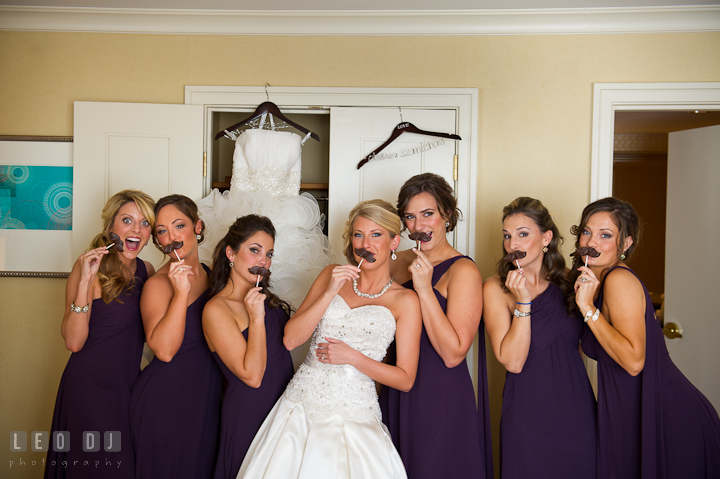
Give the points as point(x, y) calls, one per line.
point(78, 309)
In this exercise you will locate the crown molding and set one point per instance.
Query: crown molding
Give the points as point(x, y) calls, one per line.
point(364, 23)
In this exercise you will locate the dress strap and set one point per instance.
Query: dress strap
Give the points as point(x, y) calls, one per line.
point(441, 269)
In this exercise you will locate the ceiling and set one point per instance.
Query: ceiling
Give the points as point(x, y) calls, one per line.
point(663, 121)
point(365, 5)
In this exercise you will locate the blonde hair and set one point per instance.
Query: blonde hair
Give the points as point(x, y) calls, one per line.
point(378, 211)
point(110, 273)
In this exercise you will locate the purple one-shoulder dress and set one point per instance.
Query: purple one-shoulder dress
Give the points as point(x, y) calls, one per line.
point(436, 426)
point(94, 391)
point(548, 425)
point(655, 425)
point(175, 408)
point(245, 408)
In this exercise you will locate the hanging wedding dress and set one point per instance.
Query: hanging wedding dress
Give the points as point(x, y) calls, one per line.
point(266, 181)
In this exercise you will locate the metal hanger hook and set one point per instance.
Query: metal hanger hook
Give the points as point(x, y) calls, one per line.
point(266, 91)
point(400, 108)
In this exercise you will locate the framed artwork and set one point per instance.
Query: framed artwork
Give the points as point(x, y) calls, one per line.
point(36, 205)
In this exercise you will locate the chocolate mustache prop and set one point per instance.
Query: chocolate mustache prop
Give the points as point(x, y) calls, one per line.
point(419, 237)
point(175, 245)
point(116, 241)
point(364, 255)
point(515, 256)
point(586, 251)
point(259, 271)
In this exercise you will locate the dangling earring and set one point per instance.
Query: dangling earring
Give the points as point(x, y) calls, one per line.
point(231, 264)
point(622, 256)
point(545, 249)
point(393, 256)
point(198, 237)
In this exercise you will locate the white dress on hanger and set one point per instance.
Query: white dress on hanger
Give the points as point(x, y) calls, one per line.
point(266, 181)
point(328, 424)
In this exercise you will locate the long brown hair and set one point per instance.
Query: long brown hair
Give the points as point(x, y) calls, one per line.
point(238, 233)
point(625, 218)
point(553, 263)
point(111, 271)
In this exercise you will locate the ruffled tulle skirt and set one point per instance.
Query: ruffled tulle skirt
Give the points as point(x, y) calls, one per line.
point(301, 248)
point(291, 445)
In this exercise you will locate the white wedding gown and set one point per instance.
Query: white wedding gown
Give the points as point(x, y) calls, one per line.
point(266, 181)
point(328, 424)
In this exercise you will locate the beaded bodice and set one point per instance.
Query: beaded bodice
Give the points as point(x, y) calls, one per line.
point(267, 160)
point(327, 389)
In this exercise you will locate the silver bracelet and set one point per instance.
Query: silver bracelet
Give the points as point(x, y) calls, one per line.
point(519, 314)
point(590, 315)
point(78, 309)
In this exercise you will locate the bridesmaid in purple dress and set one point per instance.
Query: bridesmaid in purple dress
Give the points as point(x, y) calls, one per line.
point(436, 426)
point(244, 326)
point(548, 425)
point(103, 329)
point(652, 422)
point(175, 403)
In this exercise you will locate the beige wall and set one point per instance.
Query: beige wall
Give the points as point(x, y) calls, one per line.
point(534, 130)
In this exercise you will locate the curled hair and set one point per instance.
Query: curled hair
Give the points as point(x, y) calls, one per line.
point(187, 207)
point(438, 188)
point(625, 218)
point(113, 281)
point(238, 233)
point(378, 211)
point(553, 263)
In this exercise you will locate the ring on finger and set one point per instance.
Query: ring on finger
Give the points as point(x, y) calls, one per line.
point(583, 280)
point(417, 265)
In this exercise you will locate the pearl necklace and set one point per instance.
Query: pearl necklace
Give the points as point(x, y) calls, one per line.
point(371, 296)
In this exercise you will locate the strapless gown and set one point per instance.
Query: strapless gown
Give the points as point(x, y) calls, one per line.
point(327, 424)
point(245, 408)
point(266, 181)
point(655, 425)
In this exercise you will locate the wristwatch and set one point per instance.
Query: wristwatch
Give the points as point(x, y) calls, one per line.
point(519, 314)
point(591, 315)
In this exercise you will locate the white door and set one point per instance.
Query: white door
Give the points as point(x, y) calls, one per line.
point(356, 132)
point(154, 148)
point(691, 259)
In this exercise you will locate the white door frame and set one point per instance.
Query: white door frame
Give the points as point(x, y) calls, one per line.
point(611, 97)
point(463, 100)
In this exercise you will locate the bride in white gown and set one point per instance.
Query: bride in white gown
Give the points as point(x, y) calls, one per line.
point(266, 181)
point(328, 422)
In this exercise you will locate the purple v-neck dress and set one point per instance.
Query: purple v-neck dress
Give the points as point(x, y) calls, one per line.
point(655, 425)
point(245, 408)
point(94, 391)
point(175, 408)
point(436, 426)
point(548, 425)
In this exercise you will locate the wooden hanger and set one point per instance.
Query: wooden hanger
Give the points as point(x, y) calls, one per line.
point(264, 108)
point(401, 128)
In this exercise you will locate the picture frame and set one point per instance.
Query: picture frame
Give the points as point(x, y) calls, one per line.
point(36, 206)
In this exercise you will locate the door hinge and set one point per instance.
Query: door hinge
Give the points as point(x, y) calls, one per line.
point(455, 168)
point(204, 164)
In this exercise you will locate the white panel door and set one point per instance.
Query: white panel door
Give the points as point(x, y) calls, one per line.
point(154, 148)
point(691, 262)
point(356, 132)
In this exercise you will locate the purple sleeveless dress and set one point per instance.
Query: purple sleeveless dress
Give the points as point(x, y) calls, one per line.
point(436, 426)
point(655, 425)
point(548, 425)
point(245, 408)
point(94, 391)
point(175, 408)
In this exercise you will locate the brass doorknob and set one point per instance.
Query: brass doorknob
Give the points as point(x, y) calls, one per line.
point(672, 331)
